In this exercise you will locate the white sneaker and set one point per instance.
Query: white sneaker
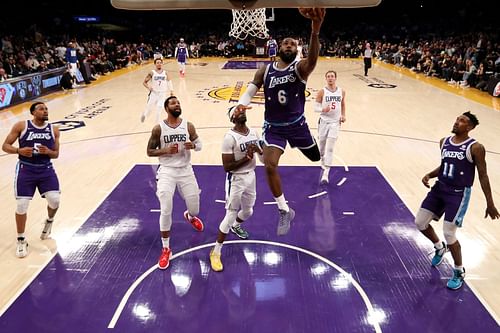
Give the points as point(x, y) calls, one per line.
point(47, 228)
point(22, 248)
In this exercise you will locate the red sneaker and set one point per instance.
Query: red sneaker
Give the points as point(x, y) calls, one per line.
point(164, 260)
point(194, 221)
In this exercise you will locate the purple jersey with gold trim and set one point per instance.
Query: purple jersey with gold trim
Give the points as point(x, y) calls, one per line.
point(457, 166)
point(284, 92)
point(181, 52)
point(34, 136)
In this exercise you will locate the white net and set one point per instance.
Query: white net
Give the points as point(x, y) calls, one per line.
point(249, 22)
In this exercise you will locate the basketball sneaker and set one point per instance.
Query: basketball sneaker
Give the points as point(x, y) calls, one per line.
point(194, 221)
point(457, 280)
point(239, 231)
point(215, 261)
point(438, 256)
point(284, 222)
point(22, 247)
point(47, 228)
point(164, 260)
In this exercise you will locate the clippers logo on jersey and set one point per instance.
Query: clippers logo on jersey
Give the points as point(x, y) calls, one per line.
point(329, 99)
point(244, 146)
point(175, 138)
point(275, 81)
point(159, 78)
point(460, 155)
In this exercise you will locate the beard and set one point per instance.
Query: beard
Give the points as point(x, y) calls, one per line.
point(176, 114)
point(287, 57)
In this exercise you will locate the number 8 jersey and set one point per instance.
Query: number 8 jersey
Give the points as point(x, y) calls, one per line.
point(284, 93)
point(457, 166)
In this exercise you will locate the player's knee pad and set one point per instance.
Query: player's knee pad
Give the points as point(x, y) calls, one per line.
point(450, 232)
point(245, 213)
point(423, 218)
point(53, 199)
point(22, 206)
point(165, 222)
point(227, 221)
point(193, 204)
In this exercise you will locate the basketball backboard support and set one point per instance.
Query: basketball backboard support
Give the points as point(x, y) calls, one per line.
point(238, 4)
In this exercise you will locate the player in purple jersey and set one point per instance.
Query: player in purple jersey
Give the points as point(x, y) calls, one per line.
point(272, 48)
point(181, 54)
point(38, 144)
point(460, 156)
point(284, 90)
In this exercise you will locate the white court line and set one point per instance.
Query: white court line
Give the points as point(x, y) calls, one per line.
point(312, 196)
point(362, 293)
point(347, 213)
point(342, 181)
point(220, 201)
point(154, 210)
point(43, 266)
point(346, 168)
point(272, 202)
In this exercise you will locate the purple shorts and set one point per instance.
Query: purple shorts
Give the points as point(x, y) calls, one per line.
point(297, 134)
point(30, 177)
point(450, 201)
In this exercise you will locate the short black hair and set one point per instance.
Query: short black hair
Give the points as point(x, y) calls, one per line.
point(168, 100)
point(34, 105)
point(472, 118)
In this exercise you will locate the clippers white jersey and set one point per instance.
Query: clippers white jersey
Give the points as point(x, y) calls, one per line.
point(175, 136)
point(333, 99)
point(159, 81)
point(237, 143)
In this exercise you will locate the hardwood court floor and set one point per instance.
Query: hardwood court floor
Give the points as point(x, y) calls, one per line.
point(396, 129)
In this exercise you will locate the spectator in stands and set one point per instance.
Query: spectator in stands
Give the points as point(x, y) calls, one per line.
point(3, 75)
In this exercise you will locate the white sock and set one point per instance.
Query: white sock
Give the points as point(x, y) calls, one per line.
point(236, 224)
point(20, 235)
point(50, 219)
point(438, 245)
point(326, 172)
point(282, 205)
point(459, 268)
point(165, 242)
point(217, 248)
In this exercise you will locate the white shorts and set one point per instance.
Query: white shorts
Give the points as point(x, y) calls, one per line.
point(240, 190)
point(73, 68)
point(157, 99)
point(328, 129)
point(183, 179)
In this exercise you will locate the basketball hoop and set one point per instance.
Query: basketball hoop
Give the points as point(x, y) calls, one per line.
point(249, 22)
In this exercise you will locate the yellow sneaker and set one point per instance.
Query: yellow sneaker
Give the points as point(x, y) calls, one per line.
point(215, 261)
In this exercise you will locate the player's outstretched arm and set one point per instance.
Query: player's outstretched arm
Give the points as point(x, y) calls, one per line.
point(316, 15)
point(479, 156)
point(252, 88)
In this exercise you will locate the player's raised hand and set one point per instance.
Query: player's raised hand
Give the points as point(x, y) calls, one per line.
point(316, 15)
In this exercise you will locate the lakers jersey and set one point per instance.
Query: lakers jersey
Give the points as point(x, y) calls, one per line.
point(159, 81)
point(457, 166)
point(284, 91)
point(237, 143)
point(34, 136)
point(177, 136)
point(333, 100)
